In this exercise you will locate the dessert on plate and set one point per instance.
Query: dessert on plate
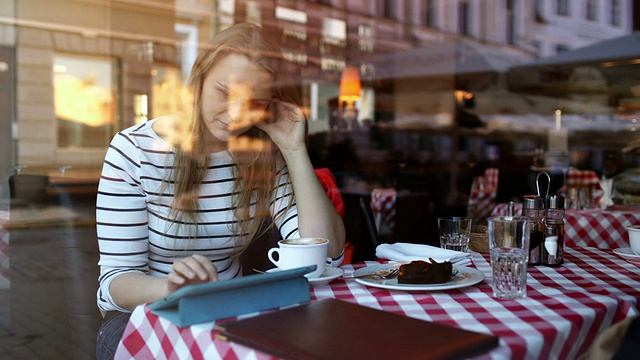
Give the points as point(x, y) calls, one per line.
point(423, 272)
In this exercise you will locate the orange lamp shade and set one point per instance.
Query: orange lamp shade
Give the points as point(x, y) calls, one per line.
point(350, 85)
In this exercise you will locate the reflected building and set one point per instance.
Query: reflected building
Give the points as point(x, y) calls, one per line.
point(79, 71)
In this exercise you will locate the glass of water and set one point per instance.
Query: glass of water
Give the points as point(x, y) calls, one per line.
point(454, 233)
point(509, 248)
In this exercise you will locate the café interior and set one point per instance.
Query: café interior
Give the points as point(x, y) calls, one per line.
point(413, 122)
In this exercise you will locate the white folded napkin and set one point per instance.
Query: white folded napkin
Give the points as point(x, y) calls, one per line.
point(607, 192)
point(405, 252)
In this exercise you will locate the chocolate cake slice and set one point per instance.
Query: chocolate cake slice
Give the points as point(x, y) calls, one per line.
point(422, 272)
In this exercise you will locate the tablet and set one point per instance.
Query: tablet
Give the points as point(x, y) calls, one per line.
point(226, 298)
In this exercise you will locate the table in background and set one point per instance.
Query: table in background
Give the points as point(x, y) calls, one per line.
point(594, 227)
point(564, 311)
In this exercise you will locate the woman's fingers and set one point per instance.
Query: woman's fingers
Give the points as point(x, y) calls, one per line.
point(195, 267)
point(183, 269)
point(206, 264)
point(287, 110)
point(174, 278)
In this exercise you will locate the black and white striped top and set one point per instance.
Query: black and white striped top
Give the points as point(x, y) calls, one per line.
point(135, 233)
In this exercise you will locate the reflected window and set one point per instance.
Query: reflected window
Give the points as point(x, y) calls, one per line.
point(318, 98)
point(430, 14)
point(463, 19)
point(226, 12)
point(386, 8)
point(85, 100)
point(615, 17)
point(365, 38)
point(591, 11)
point(511, 23)
point(562, 7)
point(538, 7)
point(166, 90)
point(254, 14)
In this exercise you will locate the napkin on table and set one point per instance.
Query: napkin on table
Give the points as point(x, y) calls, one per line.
point(607, 192)
point(405, 252)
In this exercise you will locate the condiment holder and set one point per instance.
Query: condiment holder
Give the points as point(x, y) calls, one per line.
point(479, 239)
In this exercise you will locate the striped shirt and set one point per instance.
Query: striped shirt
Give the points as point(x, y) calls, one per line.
point(135, 231)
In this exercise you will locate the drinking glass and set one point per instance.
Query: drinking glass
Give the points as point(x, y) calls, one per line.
point(509, 249)
point(454, 233)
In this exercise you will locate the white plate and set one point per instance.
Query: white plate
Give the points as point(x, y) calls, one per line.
point(330, 273)
point(464, 277)
point(628, 255)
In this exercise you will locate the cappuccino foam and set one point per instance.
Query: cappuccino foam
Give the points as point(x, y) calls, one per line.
point(305, 241)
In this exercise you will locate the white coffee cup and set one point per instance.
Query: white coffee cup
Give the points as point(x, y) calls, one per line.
point(295, 253)
point(634, 238)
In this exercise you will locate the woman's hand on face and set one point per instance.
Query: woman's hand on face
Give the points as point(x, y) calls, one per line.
point(195, 269)
point(287, 131)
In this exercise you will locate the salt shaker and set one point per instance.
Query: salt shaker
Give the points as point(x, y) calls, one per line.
point(533, 208)
point(553, 249)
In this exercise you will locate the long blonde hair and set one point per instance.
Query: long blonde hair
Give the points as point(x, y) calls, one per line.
point(255, 173)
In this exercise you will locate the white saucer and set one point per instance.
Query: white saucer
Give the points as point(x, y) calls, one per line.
point(628, 254)
point(330, 273)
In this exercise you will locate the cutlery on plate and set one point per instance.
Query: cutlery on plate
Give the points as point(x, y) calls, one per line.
point(382, 274)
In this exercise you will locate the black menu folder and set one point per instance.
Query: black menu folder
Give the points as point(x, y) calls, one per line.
point(335, 329)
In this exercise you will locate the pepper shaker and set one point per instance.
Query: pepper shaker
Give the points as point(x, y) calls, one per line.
point(553, 250)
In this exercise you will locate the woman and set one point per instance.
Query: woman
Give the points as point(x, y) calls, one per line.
point(181, 196)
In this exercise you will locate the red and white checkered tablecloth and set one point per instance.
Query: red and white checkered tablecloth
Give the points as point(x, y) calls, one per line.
point(383, 206)
point(564, 311)
point(577, 177)
point(585, 269)
point(483, 195)
point(5, 267)
point(593, 227)
point(585, 178)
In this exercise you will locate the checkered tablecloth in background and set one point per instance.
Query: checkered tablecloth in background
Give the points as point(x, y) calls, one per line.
point(383, 206)
point(577, 177)
point(483, 194)
point(593, 227)
point(564, 311)
point(585, 178)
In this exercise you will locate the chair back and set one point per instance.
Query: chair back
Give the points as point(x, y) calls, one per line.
point(365, 205)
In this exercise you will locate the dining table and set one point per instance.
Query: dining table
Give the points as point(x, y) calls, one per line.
point(564, 310)
point(601, 228)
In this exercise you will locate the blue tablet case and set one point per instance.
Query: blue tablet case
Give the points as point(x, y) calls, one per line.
point(194, 304)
